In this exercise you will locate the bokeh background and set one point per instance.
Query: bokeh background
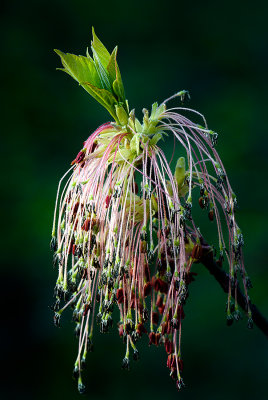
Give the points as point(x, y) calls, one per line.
point(216, 50)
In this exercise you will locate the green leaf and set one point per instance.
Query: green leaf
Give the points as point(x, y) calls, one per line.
point(157, 111)
point(115, 76)
point(103, 75)
point(103, 96)
point(111, 66)
point(100, 50)
point(155, 139)
point(101, 58)
point(82, 69)
point(99, 76)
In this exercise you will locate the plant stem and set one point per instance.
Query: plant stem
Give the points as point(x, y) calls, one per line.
point(223, 279)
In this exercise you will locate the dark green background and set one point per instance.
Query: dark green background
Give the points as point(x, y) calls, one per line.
point(219, 53)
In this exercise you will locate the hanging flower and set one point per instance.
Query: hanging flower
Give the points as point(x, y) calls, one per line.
point(123, 233)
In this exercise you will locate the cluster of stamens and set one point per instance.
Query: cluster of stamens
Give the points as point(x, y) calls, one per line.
point(125, 235)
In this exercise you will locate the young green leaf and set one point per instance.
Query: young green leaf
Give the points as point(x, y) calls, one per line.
point(104, 97)
point(82, 69)
point(115, 77)
point(99, 50)
point(99, 76)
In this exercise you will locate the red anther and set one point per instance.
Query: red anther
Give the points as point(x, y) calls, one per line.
point(201, 202)
point(164, 287)
point(143, 246)
point(211, 215)
point(86, 308)
point(140, 306)
point(151, 338)
point(169, 316)
point(73, 249)
point(68, 198)
point(157, 338)
point(80, 157)
point(169, 360)
point(159, 301)
point(168, 346)
point(173, 373)
point(141, 329)
point(75, 225)
point(197, 252)
point(167, 231)
point(120, 295)
point(86, 225)
point(121, 330)
point(70, 247)
point(155, 318)
point(107, 201)
point(161, 286)
point(168, 327)
point(146, 272)
point(164, 328)
point(173, 361)
point(136, 188)
point(76, 207)
point(157, 284)
point(93, 147)
point(147, 289)
point(161, 309)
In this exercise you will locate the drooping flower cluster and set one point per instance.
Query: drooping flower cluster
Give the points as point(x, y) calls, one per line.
point(123, 233)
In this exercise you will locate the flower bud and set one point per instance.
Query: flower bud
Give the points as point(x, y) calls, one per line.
point(121, 115)
point(180, 171)
point(211, 215)
point(180, 384)
point(81, 387)
point(125, 363)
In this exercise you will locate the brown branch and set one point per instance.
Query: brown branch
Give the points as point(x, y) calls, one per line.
point(223, 278)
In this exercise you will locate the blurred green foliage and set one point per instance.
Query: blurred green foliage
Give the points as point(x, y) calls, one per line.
point(215, 50)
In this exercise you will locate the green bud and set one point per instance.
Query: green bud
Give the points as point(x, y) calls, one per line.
point(121, 115)
point(180, 171)
point(155, 139)
point(135, 144)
